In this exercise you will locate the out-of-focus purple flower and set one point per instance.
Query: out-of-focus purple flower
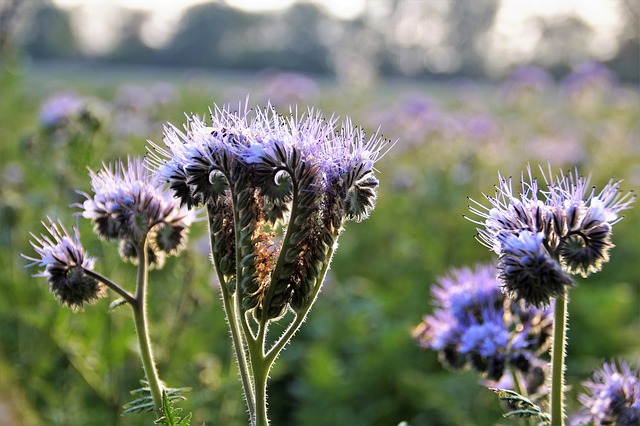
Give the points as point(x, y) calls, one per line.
point(588, 79)
point(612, 397)
point(526, 81)
point(60, 109)
point(543, 235)
point(414, 119)
point(64, 264)
point(283, 89)
point(473, 324)
point(129, 204)
point(481, 127)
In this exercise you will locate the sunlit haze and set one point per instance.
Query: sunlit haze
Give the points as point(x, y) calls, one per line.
point(515, 36)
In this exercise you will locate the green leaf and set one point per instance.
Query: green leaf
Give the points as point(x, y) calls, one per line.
point(116, 304)
point(524, 406)
point(171, 414)
point(145, 404)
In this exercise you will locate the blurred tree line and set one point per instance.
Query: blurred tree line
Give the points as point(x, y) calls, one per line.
point(394, 37)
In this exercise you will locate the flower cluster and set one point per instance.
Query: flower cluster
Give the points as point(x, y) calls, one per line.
point(130, 205)
point(542, 237)
point(475, 325)
point(277, 189)
point(65, 265)
point(613, 397)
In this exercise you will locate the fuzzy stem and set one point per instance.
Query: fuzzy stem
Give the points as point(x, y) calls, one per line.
point(142, 329)
point(236, 339)
point(238, 348)
point(557, 360)
point(261, 368)
point(113, 286)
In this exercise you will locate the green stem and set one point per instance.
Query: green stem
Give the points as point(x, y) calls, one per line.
point(261, 368)
point(142, 329)
point(238, 348)
point(557, 360)
point(113, 286)
point(236, 339)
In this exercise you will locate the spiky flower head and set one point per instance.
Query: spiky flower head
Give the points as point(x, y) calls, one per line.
point(474, 325)
point(64, 264)
point(542, 236)
point(612, 397)
point(277, 187)
point(129, 204)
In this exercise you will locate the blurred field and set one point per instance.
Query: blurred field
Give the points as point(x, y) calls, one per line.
point(354, 361)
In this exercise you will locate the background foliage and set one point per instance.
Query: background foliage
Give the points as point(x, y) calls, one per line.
point(354, 361)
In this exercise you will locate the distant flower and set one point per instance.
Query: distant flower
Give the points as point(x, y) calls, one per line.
point(541, 236)
point(64, 264)
point(60, 109)
point(588, 79)
point(288, 88)
point(526, 81)
point(612, 397)
point(473, 324)
point(129, 204)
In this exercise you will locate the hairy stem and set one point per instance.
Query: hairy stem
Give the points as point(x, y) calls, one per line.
point(113, 286)
point(142, 329)
point(234, 328)
point(557, 360)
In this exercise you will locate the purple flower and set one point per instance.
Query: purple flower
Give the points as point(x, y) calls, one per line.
point(60, 109)
point(473, 324)
point(129, 204)
point(527, 271)
point(588, 77)
point(612, 397)
point(541, 235)
point(527, 80)
point(64, 264)
point(256, 170)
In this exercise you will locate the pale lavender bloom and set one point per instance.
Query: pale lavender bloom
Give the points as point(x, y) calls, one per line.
point(64, 264)
point(263, 141)
point(541, 235)
point(527, 80)
point(612, 397)
point(588, 77)
point(473, 324)
point(60, 109)
point(288, 88)
point(252, 167)
point(129, 203)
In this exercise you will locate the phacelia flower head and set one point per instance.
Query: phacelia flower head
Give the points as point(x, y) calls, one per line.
point(60, 109)
point(129, 204)
point(64, 264)
point(474, 325)
point(542, 236)
point(278, 187)
point(612, 397)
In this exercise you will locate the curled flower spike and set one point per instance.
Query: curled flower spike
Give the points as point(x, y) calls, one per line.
point(542, 235)
point(612, 397)
point(527, 272)
point(64, 264)
point(129, 204)
point(474, 325)
point(278, 189)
